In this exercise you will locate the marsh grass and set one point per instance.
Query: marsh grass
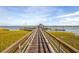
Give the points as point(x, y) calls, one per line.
point(68, 37)
point(9, 37)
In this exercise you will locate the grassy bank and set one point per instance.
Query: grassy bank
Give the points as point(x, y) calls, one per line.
point(68, 37)
point(9, 37)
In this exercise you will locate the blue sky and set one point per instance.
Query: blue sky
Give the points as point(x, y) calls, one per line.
point(34, 15)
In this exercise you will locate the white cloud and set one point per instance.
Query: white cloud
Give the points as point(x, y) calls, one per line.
point(12, 22)
point(75, 14)
point(69, 19)
point(37, 15)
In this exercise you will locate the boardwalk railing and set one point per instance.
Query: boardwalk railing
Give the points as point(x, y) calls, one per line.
point(60, 46)
point(17, 45)
point(57, 44)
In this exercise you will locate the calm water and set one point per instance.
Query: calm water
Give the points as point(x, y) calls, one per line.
point(74, 29)
point(12, 27)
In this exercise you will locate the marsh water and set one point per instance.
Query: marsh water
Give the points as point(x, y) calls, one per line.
point(74, 29)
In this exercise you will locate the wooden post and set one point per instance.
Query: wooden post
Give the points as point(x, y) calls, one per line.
point(19, 48)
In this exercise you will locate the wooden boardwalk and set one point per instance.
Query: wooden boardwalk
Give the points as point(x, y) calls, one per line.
point(40, 41)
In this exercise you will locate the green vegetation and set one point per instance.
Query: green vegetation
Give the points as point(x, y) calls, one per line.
point(9, 37)
point(4, 29)
point(68, 37)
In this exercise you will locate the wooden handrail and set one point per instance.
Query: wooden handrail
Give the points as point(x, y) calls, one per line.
point(12, 48)
point(69, 47)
